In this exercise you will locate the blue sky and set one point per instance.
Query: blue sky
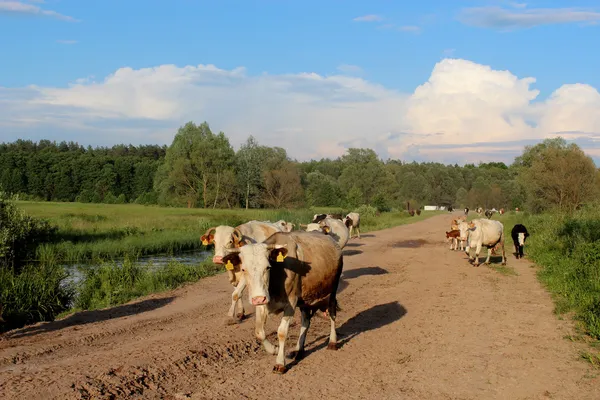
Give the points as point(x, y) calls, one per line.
point(366, 60)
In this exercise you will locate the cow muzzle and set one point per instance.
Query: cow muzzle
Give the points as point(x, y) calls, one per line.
point(259, 300)
point(217, 260)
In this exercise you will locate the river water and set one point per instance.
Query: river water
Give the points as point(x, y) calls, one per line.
point(152, 261)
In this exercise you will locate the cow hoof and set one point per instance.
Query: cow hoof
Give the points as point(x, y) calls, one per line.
point(279, 369)
point(332, 346)
point(240, 317)
point(504, 263)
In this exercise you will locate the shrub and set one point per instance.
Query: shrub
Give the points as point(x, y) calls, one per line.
point(19, 233)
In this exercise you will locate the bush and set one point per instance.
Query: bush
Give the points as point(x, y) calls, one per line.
point(36, 293)
point(20, 233)
point(366, 211)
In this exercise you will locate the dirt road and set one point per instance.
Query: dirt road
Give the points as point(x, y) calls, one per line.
point(417, 322)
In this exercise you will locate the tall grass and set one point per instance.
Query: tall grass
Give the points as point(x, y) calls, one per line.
point(567, 248)
point(35, 293)
point(112, 284)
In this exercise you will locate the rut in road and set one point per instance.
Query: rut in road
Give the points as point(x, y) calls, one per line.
point(417, 321)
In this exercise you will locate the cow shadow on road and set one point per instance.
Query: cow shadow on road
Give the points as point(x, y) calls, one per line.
point(355, 273)
point(86, 317)
point(348, 253)
point(368, 320)
point(354, 244)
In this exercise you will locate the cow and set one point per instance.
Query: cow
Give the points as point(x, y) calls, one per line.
point(285, 226)
point(289, 270)
point(418, 211)
point(479, 211)
point(312, 227)
point(320, 217)
point(519, 234)
point(337, 230)
point(411, 213)
point(489, 213)
point(454, 235)
point(352, 221)
point(501, 211)
point(450, 208)
point(482, 232)
point(226, 237)
point(466, 211)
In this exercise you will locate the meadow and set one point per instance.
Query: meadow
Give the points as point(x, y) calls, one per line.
point(92, 232)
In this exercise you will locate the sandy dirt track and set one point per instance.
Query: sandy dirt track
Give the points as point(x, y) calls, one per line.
point(416, 323)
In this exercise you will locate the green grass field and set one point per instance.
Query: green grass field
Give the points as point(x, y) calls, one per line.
point(105, 231)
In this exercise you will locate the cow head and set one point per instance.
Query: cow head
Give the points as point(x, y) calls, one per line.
point(255, 261)
point(348, 222)
point(321, 227)
point(284, 226)
point(224, 238)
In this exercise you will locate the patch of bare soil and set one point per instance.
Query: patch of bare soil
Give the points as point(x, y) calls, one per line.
point(417, 322)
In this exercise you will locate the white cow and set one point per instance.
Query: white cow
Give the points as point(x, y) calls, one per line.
point(482, 232)
point(352, 221)
point(225, 238)
point(338, 230)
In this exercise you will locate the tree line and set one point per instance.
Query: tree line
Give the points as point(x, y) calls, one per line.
point(201, 169)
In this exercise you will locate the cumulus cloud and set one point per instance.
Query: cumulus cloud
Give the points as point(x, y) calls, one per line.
point(368, 18)
point(465, 112)
point(501, 18)
point(19, 7)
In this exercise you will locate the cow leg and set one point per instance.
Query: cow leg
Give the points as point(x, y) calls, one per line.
point(358, 231)
point(306, 317)
point(487, 260)
point(503, 252)
point(259, 329)
point(237, 296)
point(282, 332)
point(477, 251)
point(350, 233)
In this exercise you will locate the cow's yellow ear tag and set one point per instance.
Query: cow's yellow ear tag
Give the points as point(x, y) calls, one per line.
point(280, 257)
point(205, 242)
point(229, 265)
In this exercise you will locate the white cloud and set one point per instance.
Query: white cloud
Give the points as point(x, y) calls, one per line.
point(368, 18)
point(464, 112)
point(501, 18)
point(19, 7)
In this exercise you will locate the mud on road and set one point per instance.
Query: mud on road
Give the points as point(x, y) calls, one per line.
point(417, 322)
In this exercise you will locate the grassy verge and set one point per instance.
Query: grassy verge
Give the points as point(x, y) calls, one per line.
point(106, 231)
point(566, 248)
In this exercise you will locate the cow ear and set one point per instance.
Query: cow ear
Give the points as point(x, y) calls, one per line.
point(279, 254)
point(207, 239)
point(241, 243)
point(233, 258)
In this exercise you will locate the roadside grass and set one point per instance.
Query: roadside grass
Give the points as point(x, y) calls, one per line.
point(108, 231)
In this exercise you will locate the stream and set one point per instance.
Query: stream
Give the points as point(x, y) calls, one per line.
point(152, 261)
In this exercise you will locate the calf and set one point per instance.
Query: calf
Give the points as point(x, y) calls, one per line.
point(519, 234)
point(289, 270)
point(454, 235)
point(225, 238)
point(352, 221)
point(483, 232)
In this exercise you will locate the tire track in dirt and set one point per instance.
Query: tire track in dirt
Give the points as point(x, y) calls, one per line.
point(417, 322)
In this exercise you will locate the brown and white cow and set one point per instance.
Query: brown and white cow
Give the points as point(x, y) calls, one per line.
point(225, 238)
point(454, 236)
point(289, 270)
point(352, 221)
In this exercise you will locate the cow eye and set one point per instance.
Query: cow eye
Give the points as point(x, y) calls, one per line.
point(243, 269)
point(268, 267)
